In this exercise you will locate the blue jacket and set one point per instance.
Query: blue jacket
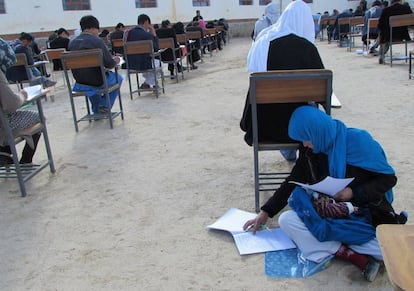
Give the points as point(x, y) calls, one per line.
point(141, 61)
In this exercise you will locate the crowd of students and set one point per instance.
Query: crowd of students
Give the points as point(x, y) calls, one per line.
point(377, 36)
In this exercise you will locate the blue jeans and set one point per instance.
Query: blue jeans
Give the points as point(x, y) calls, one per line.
point(289, 155)
point(34, 72)
point(99, 101)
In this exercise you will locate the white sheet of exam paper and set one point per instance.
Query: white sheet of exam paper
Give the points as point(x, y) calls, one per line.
point(247, 243)
point(32, 91)
point(329, 186)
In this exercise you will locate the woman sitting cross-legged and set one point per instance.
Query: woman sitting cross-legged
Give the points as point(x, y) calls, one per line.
point(331, 149)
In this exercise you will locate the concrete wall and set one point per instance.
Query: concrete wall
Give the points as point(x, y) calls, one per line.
point(43, 16)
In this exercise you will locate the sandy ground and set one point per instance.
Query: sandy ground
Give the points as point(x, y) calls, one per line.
point(128, 208)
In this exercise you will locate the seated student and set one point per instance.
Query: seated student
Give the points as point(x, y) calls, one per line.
point(19, 121)
point(166, 31)
point(223, 22)
point(286, 45)
point(398, 33)
point(217, 36)
point(51, 38)
point(7, 56)
point(194, 26)
point(330, 28)
point(331, 148)
point(118, 33)
point(343, 28)
point(143, 31)
point(270, 16)
point(374, 12)
point(61, 41)
point(104, 36)
point(19, 73)
point(195, 56)
point(90, 79)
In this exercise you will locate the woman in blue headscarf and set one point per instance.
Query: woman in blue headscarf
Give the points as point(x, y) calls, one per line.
point(351, 153)
point(329, 148)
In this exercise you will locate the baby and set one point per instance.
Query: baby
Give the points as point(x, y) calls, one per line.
point(326, 206)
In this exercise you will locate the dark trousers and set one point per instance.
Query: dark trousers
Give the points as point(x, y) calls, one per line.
point(27, 153)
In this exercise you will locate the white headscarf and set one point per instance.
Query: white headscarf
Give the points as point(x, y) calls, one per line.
point(272, 12)
point(271, 15)
point(297, 19)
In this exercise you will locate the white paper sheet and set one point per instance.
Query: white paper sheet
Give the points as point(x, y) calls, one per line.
point(33, 91)
point(329, 186)
point(335, 103)
point(265, 240)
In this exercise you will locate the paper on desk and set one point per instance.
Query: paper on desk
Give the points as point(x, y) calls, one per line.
point(329, 186)
point(33, 91)
point(247, 243)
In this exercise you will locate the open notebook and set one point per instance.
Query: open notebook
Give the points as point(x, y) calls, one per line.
point(265, 240)
point(34, 91)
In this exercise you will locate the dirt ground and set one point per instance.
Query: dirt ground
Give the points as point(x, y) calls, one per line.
point(127, 208)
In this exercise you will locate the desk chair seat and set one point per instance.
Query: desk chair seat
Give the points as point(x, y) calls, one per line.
point(356, 25)
point(21, 61)
point(184, 43)
point(143, 47)
point(399, 21)
point(210, 40)
point(24, 173)
point(196, 38)
point(53, 56)
point(371, 24)
point(91, 58)
point(283, 87)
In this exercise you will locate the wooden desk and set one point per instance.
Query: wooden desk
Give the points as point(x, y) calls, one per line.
point(397, 246)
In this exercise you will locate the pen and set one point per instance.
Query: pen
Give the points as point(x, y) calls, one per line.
point(249, 227)
point(263, 226)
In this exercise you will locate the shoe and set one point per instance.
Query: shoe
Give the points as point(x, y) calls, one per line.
point(5, 159)
point(103, 110)
point(145, 86)
point(373, 52)
point(194, 67)
point(49, 83)
point(380, 61)
point(371, 269)
point(402, 217)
